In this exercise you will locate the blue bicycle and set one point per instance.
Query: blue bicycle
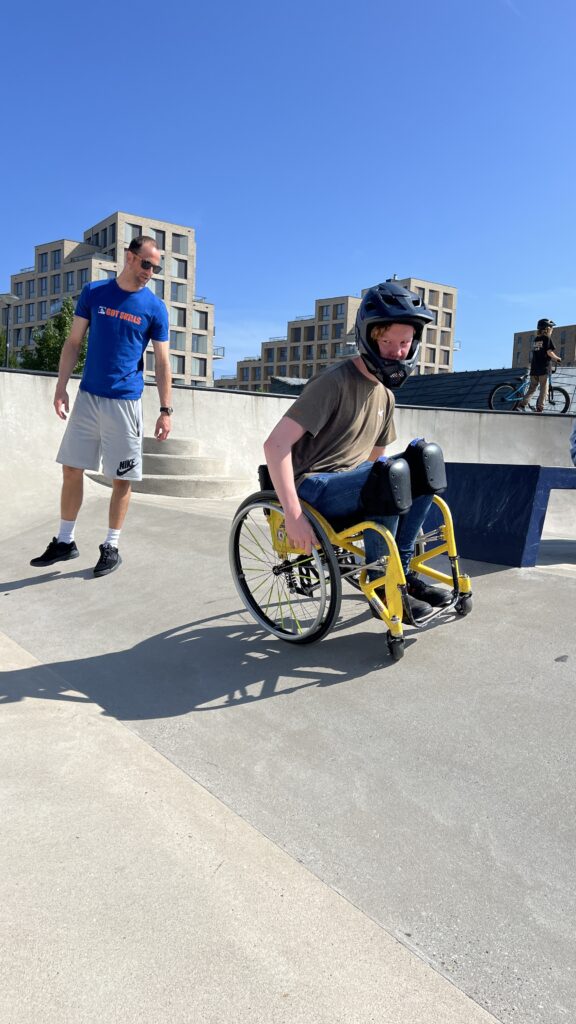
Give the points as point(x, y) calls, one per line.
point(506, 397)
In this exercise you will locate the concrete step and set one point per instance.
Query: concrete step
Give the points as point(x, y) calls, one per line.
point(186, 486)
point(173, 446)
point(181, 465)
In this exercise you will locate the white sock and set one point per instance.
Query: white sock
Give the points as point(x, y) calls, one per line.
point(66, 531)
point(112, 538)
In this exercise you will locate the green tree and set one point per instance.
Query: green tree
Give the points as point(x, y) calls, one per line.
point(12, 358)
point(48, 342)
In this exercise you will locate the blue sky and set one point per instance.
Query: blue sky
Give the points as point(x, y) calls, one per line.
point(316, 147)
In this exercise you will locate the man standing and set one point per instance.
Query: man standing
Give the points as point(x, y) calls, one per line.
point(542, 353)
point(106, 421)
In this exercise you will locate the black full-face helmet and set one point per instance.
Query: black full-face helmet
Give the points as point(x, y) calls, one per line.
point(390, 303)
point(543, 324)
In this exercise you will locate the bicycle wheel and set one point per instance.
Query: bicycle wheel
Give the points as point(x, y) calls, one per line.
point(501, 398)
point(558, 401)
point(294, 596)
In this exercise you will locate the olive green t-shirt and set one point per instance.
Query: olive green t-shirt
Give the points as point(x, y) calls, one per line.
point(345, 416)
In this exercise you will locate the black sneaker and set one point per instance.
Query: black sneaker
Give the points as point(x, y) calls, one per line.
point(57, 551)
point(420, 609)
point(109, 560)
point(438, 597)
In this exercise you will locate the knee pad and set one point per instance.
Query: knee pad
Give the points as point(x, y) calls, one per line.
point(427, 469)
point(387, 489)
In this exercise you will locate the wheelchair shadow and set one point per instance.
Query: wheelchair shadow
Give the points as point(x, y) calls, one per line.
point(211, 664)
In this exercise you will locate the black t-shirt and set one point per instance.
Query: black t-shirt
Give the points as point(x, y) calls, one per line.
point(541, 361)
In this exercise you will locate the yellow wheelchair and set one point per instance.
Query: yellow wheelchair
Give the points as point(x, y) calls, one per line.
point(296, 596)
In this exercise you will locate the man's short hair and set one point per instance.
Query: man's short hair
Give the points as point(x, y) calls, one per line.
point(137, 243)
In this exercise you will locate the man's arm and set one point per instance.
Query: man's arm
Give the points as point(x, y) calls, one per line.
point(278, 451)
point(552, 355)
point(164, 385)
point(68, 359)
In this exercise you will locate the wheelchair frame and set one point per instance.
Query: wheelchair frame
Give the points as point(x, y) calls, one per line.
point(297, 596)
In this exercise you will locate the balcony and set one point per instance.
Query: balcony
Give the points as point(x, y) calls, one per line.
point(218, 352)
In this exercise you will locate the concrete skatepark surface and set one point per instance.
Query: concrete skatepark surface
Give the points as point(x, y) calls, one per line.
point(201, 823)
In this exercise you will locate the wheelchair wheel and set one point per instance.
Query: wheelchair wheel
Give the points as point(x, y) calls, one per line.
point(500, 399)
point(294, 596)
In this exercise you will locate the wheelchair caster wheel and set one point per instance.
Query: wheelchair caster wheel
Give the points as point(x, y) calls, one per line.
point(464, 604)
point(395, 646)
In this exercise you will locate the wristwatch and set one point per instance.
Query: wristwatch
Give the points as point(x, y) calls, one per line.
point(167, 409)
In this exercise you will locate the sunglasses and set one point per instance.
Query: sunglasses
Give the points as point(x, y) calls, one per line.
point(147, 265)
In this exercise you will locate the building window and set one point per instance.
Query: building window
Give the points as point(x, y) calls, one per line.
point(55, 306)
point(447, 319)
point(108, 274)
point(177, 316)
point(200, 343)
point(103, 238)
point(338, 311)
point(111, 234)
point(430, 355)
point(282, 353)
point(131, 231)
point(17, 336)
point(337, 330)
point(177, 364)
point(445, 357)
point(178, 292)
point(295, 352)
point(56, 259)
point(179, 268)
point(18, 314)
point(420, 292)
point(29, 335)
point(244, 373)
point(156, 285)
point(256, 370)
point(159, 237)
point(19, 289)
point(281, 370)
point(447, 300)
point(199, 367)
point(323, 312)
point(42, 261)
point(309, 333)
point(200, 319)
point(69, 281)
point(323, 352)
point(42, 310)
point(309, 352)
point(308, 370)
point(430, 338)
point(43, 286)
point(445, 338)
point(178, 340)
point(433, 297)
point(31, 311)
point(324, 332)
point(82, 277)
point(55, 284)
point(295, 334)
point(268, 355)
point(180, 244)
point(31, 288)
point(268, 371)
point(294, 370)
point(149, 360)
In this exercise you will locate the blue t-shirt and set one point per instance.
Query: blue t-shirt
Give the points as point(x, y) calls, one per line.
point(121, 325)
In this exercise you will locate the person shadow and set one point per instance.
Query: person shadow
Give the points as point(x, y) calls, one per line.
point(212, 663)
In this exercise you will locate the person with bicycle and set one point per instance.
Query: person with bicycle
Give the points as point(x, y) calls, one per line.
point(542, 355)
point(324, 448)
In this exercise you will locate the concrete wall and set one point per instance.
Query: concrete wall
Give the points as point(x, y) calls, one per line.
point(233, 426)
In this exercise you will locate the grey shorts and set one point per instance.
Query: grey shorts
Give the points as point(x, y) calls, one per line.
point(107, 429)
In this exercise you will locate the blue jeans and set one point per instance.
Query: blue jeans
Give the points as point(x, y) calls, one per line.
point(338, 494)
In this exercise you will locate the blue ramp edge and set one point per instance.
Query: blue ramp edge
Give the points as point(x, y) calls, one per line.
point(499, 510)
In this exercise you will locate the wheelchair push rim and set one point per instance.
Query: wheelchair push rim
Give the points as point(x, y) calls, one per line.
point(294, 596)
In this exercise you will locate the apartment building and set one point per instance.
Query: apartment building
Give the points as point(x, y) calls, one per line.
point(564, 339)
point(62, 268)
point(320, 339)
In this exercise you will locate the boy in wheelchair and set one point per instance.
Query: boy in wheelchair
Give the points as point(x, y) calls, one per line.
point(328, 449)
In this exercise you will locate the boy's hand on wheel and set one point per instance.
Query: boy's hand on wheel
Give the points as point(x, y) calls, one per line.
point(300, 532)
